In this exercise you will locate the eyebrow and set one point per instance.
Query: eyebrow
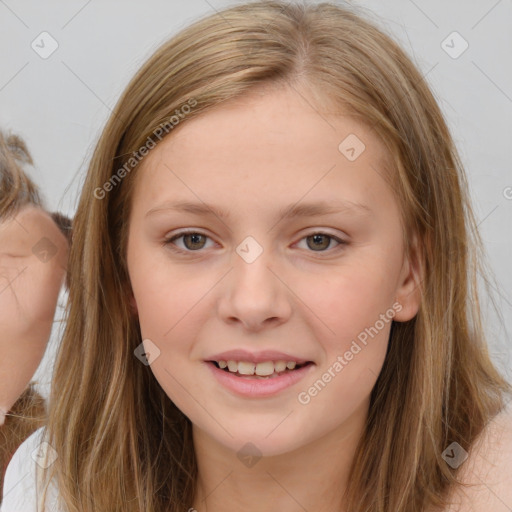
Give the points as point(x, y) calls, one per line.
point(294, 210)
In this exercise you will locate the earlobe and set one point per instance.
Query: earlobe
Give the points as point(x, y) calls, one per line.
point(409, 291)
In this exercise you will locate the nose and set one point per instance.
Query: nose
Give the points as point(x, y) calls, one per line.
point(254, 295)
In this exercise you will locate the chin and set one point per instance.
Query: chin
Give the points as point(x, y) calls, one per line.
point(260, 439)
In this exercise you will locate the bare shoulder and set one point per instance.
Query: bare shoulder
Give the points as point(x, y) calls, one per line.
point(487, 472)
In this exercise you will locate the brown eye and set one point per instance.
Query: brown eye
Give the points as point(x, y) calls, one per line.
point(192, 241)
point(320, 242)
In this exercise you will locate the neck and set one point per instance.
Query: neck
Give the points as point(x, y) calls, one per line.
point(313, 477)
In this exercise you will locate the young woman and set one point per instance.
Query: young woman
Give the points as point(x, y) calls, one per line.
point(273, 301)
point(33, 254)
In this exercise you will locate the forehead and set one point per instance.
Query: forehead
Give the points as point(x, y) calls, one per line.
point(266, 145)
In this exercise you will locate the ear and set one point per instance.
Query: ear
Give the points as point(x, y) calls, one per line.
point(408, 293)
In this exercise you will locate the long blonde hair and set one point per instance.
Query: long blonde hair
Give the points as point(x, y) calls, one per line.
point(122, 444)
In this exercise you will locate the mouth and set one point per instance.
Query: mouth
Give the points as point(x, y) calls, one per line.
point(264, 370)
point(260, 380)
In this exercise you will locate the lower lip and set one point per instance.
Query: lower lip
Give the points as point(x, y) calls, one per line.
point(253, 387)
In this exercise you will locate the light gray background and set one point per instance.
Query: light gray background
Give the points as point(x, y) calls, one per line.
point(60, 104)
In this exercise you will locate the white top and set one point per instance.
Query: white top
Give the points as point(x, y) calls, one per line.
point(20, 493)
point(42, 378)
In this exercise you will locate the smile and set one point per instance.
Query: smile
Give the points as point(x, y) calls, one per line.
point(266, 369)
point(258, 380)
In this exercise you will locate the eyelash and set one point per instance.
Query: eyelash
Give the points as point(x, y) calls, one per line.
point(169, 241)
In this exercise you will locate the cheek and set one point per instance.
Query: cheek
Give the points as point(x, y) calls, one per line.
point(361, 315)
point(171, 320)
point(355, 306)
point(167, 306)
point(170, 299)
point(350, 299)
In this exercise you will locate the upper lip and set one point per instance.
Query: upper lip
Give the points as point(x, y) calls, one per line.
point(256, 357)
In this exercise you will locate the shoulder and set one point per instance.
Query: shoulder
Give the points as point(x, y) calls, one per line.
point(20, 482)
point(486, 475)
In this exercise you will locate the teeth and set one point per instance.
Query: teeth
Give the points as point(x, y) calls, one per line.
point(232, 366)
point(264, 369)
point(261, 369)
point(280, 366)
point(245, 368)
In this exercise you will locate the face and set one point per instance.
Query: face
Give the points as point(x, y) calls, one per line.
point(33, 258)
point(247, 285)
